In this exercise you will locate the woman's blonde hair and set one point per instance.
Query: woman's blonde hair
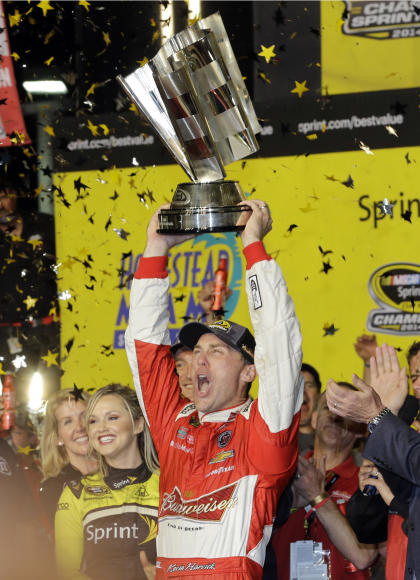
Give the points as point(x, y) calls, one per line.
point(54, 457)
point(144, 439)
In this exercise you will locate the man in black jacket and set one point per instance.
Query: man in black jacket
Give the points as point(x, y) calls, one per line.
point(392, 444)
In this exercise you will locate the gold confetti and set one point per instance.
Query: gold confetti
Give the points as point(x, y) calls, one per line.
point(264, 77)
point(50, 358)
point(300, 88)
point(30, 302)
point(45, 6)
point(49, 36)
point(267, 52)
point(14, 19)
point(91, 89)
point(93, 128)
point(49, 130)
point(85, 4)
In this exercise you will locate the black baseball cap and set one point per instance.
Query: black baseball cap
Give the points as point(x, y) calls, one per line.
point(234, 335)
point(175, 347)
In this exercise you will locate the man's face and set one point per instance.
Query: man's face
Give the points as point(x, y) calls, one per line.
point(219, 375)
point(310, 397)
point(415, 374)
point(22, 437)
point(333, 431)
point(183, 359)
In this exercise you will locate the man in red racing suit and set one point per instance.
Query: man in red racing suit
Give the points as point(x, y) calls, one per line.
point(225, 459)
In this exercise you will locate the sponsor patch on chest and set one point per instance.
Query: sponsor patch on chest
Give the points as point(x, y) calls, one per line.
point(224, 438)
point(211, 506)
point(222, 456)
point(182, 432)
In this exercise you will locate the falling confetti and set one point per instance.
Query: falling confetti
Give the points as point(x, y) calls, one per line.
point(365, 148)
point(30, 302)
point(121, 233)
point(330, 329)
point(45, 6)
point(349, 182)
point(387, 207)
point(391, 130)
point(64, 295)
point(407, 216)
point(19, 361)
point(300, 88)
point(326, 266)
point(77, 393)
point(267, 52)
point(50, 358)
point(324, 252)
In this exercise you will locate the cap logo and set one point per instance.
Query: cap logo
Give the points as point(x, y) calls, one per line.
point(221, 324)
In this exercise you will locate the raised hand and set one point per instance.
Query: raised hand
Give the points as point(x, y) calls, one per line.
point(360, 406)
point(160, 244)
point(259, 223)
point(365, 346)
point(387, 377)
point(310, 481)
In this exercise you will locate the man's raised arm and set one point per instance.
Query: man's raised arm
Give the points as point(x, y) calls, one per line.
point(147, 339)
point(278, 353)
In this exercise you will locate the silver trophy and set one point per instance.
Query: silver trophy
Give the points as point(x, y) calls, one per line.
point(193, 94)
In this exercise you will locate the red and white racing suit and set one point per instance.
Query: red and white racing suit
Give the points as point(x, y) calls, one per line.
point(221, 472)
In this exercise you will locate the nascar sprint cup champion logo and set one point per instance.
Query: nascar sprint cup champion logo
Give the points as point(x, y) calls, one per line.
point(382, 20)
point(396, 288)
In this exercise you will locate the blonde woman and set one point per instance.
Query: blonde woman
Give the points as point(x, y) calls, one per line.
point(105, 525)
point(64, 447)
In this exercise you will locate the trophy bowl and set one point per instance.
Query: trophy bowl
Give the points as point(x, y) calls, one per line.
point(205, 208)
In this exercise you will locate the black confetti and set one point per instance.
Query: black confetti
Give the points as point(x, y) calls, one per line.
point(407, 216)
point(326, 266)
point(77, 393)
point(69, 345)
point(324, 252)
point(330, 330)
point(349, 182)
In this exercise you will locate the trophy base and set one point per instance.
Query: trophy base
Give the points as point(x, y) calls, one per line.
point(199, 208)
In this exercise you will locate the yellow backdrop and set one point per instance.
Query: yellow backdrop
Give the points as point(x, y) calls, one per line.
point(357, 63)
point(330, 198)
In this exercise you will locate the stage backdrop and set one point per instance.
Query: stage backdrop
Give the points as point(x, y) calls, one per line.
point(349, 268)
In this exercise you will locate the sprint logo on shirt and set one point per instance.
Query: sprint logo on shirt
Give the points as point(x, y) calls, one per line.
point(113, 532)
